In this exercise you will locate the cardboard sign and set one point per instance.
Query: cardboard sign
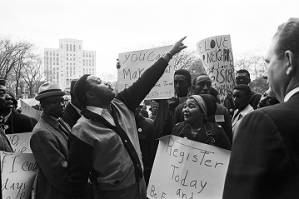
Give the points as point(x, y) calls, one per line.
point(18, 171)
point(133, 64)
point(217, 57)
point(20, 142)
point(27, 109)
point(187, 169)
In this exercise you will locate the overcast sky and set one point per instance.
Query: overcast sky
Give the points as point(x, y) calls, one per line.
point(111, 27)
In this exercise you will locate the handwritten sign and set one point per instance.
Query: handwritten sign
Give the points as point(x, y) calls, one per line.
point(18, 171)
point(27, 109)
point(20, 142)
point(187, 169)
point(133, 64)
point(217, 57)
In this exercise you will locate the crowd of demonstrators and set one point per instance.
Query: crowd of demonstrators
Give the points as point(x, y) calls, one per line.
point(49, 144)
point(113, 156)
point(264, 162)
point(103, 145)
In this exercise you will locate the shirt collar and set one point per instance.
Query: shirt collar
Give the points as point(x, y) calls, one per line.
point(102, 112)
point(290, 94)
point(246, 110)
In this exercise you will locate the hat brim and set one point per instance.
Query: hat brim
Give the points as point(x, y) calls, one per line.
point(49, 94)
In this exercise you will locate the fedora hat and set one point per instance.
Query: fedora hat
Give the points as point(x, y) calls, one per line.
point(47, 90)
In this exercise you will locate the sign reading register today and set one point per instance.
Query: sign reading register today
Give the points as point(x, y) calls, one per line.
point(187, 169)
point(133, 64)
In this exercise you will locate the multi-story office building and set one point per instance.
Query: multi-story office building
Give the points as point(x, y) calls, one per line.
point(68, 62)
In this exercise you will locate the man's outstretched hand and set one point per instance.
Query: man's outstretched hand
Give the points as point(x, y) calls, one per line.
point(178, 46)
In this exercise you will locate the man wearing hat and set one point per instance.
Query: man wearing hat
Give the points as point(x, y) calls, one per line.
point(49, 144)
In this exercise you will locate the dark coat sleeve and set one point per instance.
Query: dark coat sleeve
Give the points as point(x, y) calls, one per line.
point(133, 95)
point(80, 166)
point(52, 163)
point(259, 164)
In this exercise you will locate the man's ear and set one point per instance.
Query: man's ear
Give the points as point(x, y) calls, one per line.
point(89, 94)
point(290, 62)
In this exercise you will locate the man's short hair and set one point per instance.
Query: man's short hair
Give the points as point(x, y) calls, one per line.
point(244, 71)
point(185, 73)
point(288, 37)
point(80, 89)
point(245, 88)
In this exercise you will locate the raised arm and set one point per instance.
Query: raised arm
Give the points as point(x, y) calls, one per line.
point(133, 95)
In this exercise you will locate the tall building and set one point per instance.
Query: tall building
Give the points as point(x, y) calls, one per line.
point(68, 62)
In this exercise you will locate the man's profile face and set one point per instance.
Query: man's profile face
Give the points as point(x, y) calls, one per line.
point(5, 103)
point(242, 78)
point(276, 71)
point(101, 90)
point(180, 85)
point(54, 106)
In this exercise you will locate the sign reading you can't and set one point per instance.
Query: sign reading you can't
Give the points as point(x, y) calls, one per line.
point(133, 64)
point(185, 169)
point(217, 57)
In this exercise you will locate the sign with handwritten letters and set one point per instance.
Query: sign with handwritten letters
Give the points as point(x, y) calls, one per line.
point(187, 169)
point(133, 64)
point(20, 142)
point(18, 171)
point(27, 109)
point(217, 57)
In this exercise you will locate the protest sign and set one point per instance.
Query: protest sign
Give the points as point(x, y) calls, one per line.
point(133, 64)
point(27, 109)
point(187, 169)
point(18, 171)
point(217, 57)
point(20, 142)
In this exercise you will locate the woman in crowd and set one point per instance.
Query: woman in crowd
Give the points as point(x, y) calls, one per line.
point(199, 122)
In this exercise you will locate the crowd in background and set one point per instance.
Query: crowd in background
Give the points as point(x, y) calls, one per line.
point(102, 145)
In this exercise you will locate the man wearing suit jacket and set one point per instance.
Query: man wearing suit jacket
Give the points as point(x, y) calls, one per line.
point(265, 156)
point(49, 145)
point(72, 111)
